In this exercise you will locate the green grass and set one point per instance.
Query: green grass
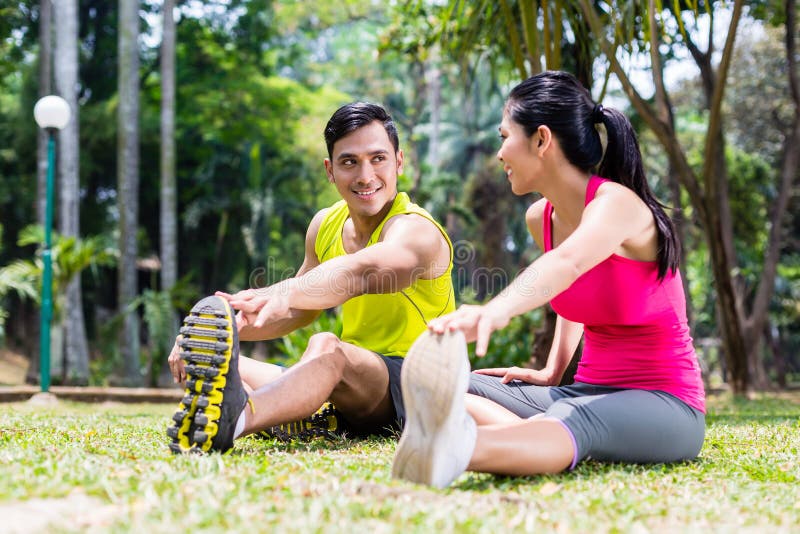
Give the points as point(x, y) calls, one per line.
point(81, 467)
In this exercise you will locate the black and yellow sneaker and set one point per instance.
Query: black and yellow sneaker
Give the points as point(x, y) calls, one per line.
point(325, 423)
point(214, 396)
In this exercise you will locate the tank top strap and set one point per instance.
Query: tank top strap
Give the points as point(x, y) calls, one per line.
point(401, 204)
point(547, 226)
point(547, 223)
point(591, 189)
point(329, 235)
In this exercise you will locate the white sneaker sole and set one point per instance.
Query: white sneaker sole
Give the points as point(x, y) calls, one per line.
point(434, 381)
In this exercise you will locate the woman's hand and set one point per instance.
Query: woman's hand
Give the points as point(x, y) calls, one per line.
point(539, 377)
point(476, 322)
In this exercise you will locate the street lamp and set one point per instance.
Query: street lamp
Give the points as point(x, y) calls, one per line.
point(52, 114)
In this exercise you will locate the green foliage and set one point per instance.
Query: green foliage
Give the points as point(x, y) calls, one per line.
point(159, 311)
point(293, 345)
point(17, 32)
point(70, 256)
point(159, 317)
point(510, 346)
point(257, 81)
point(250, 165)
point(19, 277)
point(108, 467)
point(752, 189)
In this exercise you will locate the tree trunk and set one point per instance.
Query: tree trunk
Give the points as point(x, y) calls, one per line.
point(679, 220)
point(169, 215)
point(758, 319)
point(169, 225)
point(711, 203)
point(543, 339)
point(128, 185)
point(731, 331)
point(66, 77)
point(773, 336)
point(434, 90)
point(45, 88)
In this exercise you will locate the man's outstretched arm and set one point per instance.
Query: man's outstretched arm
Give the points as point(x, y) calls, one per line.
point(411, 247)
point(292, 318)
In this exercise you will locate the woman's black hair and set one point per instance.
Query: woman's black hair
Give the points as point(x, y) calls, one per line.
point(355, 115)
point(558, 100)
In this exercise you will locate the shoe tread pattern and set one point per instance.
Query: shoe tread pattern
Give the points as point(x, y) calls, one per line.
point(322, 424)
point(207, 346)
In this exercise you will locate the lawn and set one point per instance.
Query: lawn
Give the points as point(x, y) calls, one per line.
point(102, 467)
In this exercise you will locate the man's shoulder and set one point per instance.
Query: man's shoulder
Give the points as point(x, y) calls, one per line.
point(327, 213)
point(407, 216)
point(417, 230)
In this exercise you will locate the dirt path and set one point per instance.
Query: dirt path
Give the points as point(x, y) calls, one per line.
point(43, 515)
point(13, 367)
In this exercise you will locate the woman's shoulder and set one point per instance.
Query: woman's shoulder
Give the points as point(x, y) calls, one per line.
point(617, 191)
point(535, 212)
point(534, 218)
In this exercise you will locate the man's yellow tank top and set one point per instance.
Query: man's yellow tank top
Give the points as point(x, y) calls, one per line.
point(387, 323)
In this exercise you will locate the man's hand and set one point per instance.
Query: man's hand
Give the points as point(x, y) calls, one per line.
point(531, 376)
point(257, 307)
point(176, 363)
point(476, 322)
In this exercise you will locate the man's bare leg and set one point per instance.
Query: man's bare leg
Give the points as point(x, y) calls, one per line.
point(256, 374)
point(354, 379)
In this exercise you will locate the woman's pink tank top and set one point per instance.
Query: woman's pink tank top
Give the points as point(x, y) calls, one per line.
point(635, 330)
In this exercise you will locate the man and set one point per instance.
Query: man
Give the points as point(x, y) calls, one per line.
point(382, 258)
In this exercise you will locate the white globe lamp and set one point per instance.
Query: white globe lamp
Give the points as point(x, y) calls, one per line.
point(51, 112)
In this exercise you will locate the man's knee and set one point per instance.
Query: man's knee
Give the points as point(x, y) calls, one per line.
point(321, 343)
point(326, 347)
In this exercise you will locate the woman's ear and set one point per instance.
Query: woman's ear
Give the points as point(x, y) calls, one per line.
point(545, 136)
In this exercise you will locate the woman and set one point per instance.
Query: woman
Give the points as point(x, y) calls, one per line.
point(610, 271)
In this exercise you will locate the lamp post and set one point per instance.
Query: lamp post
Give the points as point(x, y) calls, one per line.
point(52, 114)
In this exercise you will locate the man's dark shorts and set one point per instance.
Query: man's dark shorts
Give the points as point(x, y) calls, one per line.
point(392, 426)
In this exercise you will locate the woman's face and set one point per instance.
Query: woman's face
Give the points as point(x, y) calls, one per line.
point(519, 156)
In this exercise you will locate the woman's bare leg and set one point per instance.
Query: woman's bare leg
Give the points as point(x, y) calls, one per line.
point(488, 412)
point(527, 447)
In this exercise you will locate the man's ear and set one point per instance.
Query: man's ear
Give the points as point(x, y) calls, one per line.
point(399, 156)
point(329, 170)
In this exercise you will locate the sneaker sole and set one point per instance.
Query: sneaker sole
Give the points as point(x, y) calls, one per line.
point(322, 424)
point(434, 384)
point(209, 336)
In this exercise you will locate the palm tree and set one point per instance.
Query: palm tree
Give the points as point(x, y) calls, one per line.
point(71, 255)
point(128, 184)
point(66, 78)
point(169, 226)
point(45, 88)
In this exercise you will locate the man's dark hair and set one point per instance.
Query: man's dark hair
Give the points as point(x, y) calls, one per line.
point(355, 115)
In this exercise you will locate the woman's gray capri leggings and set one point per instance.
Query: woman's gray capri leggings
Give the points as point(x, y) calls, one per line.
point(606, 423)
